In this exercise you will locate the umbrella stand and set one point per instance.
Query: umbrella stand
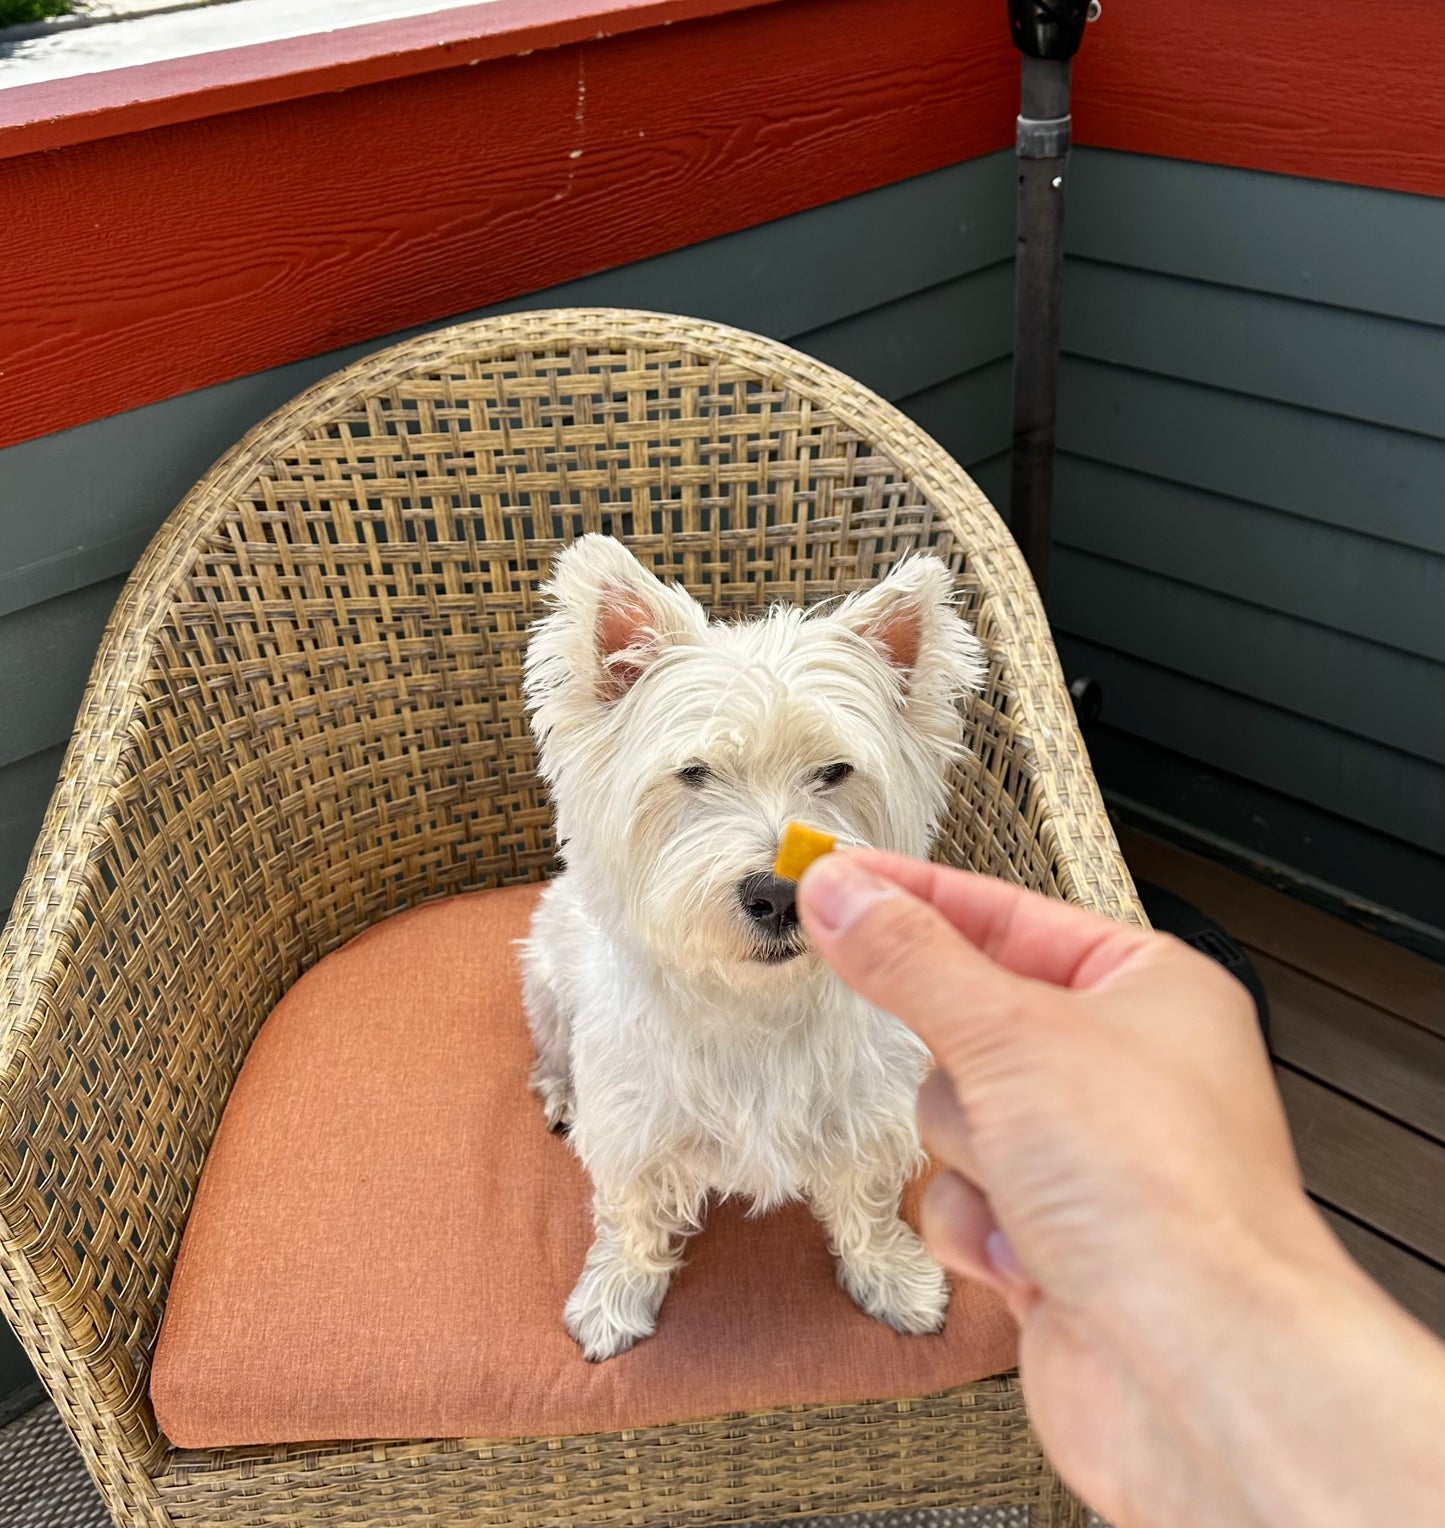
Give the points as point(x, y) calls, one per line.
point(1047, 34)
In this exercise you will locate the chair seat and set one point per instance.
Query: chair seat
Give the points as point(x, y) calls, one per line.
point(385, 1234)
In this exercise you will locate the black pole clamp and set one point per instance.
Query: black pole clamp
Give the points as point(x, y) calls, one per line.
point(1051, 29)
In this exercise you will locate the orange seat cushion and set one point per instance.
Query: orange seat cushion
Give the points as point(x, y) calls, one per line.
point(385, 1234)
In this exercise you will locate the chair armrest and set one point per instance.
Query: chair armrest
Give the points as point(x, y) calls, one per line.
point(1025, 805)
point(239, 799)
point(143, 951)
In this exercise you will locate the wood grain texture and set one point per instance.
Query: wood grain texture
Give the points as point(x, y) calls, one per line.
point(1347, 957)
point(323, 221)
point(80, 505)
point(1416, 1284)
point(136, 98)
point(1342, 91)
point(1378, 1182)
point(251, 208)
point(1366, 1165)
point(1355, 1047)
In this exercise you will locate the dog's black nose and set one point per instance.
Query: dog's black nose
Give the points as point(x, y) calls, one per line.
point(770, 902)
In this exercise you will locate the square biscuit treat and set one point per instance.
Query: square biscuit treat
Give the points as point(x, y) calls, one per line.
point(799, 846)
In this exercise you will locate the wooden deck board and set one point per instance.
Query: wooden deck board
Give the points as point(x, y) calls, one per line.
point(1358, 1033)
point(1297, 934)
point(1355, 1047)
point(1418, 1285)
point(1381, 1173)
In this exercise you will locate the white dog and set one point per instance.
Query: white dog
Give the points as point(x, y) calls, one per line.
point(685, 1034)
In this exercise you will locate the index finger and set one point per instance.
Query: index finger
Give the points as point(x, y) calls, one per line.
point(1023, 931)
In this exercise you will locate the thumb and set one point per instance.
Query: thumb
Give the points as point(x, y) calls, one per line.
point(902, 955)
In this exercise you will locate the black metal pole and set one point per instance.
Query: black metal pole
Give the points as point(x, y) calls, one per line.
point(1047, 33)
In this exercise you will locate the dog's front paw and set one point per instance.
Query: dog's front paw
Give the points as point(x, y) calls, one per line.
point(559, 1107)
point(902, 1286)
point(612, 1307)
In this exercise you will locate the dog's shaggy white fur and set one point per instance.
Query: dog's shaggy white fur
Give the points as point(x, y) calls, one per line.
point(685, 1035)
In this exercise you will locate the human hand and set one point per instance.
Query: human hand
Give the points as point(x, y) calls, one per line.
point(1120, 1169)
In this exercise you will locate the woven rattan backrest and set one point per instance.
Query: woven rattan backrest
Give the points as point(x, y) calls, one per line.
point(306, 715)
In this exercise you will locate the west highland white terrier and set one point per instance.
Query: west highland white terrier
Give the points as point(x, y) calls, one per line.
point(686, 1036)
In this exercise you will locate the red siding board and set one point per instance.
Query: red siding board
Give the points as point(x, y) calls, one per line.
point(57, 113)
point(1343, 90)
point(158, 262)
point(176, 226)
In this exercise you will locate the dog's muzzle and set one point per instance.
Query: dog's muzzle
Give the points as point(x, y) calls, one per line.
point(769, 903)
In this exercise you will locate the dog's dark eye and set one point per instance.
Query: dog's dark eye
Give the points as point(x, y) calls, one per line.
point(694, 775)
point(834, 774)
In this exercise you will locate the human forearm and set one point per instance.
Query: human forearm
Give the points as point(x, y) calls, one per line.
point(1300, 1392)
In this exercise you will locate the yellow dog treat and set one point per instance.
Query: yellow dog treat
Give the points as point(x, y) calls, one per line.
point(799, 847)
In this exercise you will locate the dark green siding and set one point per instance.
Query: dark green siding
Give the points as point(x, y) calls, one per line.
point(1251, 513)
point(1347, 247)
point(1330, 577)
point(18, 1384)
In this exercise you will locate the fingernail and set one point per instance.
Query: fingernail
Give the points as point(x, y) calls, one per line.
point(836, 892)
point(1003, 1259)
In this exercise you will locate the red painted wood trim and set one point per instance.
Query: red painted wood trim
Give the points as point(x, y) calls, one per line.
point(293, 197)
point(57, 114)
point(1343, 90)
point(154, 263)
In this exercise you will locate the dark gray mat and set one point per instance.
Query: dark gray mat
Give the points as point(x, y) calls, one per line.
point(43, 1484)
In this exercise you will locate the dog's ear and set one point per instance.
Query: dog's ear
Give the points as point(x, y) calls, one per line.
point(910, 618)
point(617, 618)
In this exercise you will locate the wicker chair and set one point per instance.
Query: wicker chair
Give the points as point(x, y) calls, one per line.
point(305, 716)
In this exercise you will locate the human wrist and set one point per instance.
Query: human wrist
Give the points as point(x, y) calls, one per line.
point(1345, 1405)
point(1184, 1273)
point(1214, 1293)
point(1275, 1342)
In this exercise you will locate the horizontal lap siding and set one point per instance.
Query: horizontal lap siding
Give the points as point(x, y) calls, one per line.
point(1350, 247)
point(1357, 687)
point(1251, 485)
point(1375, 786)
point(1251, 511)
point(220, 247)
point(1298, 567)
point(908, 288)
point(1360, 366)
point(1320, 467)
